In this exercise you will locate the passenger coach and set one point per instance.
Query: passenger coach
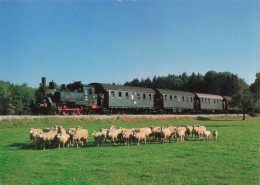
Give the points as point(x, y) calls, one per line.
point(117, 98)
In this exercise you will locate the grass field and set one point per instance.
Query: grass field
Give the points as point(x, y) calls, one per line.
point(232, 159)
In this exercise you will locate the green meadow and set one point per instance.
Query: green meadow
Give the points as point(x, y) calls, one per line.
point(233, 159)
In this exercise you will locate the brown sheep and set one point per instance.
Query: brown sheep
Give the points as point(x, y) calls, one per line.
point(147, 131)
point(104, 132)
point(156, 133)
point(173, 130)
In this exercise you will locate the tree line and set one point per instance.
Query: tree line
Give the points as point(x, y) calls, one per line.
point(16, 99)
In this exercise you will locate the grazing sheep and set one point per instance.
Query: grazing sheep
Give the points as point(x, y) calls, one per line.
point(98, 136)
point(63, 138)
point(180, 135)
point(119, 135)
point(34, 133)
point(140, 136)
point(198, 131)
point(207, 134)
point(81, 136)
point(38, 141)
point(215, 134)
point(166, 134)
point(189, 131)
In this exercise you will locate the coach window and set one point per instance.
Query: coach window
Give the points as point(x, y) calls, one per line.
point(112, 94)
point(175, 98)
point(127, 95)
point(187, 99)
point(144, 97)
point(138, 96)
point(209, 100)
point(165, 97)
point(202, 100)
point(183, 99)
point(120, 95)
point(190, 99)
point(214, 101)
point(150, 97)
point(170, 98)
point(132, 96)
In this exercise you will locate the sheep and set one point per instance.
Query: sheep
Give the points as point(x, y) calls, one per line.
point(147, 131)
point(119, 135)
point(173, 130)
point(127, 136)
point(215, 134)
point(71, 132)
point(112, 135)
point(63, 138)
point(198, 130)
point(48, 137)
point(38, 141)
point(81, 135)
point(189, 131)
point(98, 136)
point(156, 132)
point(33, 133)
point(207, 134)
point(166, 134)
point(61, 130)
point(180, 135)
point(104, 132)
point(140, 136)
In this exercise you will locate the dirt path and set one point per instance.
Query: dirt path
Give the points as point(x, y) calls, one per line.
point(115, 116)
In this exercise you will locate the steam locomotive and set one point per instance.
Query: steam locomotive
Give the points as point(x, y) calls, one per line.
point(77, 99)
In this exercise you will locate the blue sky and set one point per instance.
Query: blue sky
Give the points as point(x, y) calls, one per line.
point(115, 41)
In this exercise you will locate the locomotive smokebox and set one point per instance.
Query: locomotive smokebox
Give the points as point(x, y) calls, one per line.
point(43, 83)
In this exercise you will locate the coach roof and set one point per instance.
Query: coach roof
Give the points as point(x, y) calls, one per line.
point(201, 95)
point(108, 87)
point(173, 92)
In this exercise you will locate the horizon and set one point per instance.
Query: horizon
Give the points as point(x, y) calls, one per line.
point(117, 41)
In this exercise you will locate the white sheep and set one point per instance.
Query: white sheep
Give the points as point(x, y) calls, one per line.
point(63, 138)
point(81, 135)
point(140, 136)
point(207, 134)
point(112, 135)
point(34, 133)
point(98, 136)
point(166, 135)
point(215, 134)
point(180, 135)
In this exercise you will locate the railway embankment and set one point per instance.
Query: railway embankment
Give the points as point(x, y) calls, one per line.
point(103, 117)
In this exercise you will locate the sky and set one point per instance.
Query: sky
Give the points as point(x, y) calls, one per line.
point(111, 41)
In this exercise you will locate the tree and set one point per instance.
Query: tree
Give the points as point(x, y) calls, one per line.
point(244, 100)
point(255, 89)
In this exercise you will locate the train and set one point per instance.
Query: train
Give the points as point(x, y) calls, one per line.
point(98, 98)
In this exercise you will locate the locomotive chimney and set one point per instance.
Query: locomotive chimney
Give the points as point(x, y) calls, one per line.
point(43, 83)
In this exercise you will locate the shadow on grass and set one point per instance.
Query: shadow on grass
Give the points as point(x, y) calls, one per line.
point(201, 118)
point(21, 146)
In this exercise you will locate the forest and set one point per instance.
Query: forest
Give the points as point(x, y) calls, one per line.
point(16, 99)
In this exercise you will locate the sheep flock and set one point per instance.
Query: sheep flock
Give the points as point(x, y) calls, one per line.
point(56, 136)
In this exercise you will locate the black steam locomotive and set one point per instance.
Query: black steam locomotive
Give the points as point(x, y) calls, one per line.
point(77, 99)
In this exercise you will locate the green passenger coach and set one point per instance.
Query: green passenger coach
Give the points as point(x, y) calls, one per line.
point(117, 97)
